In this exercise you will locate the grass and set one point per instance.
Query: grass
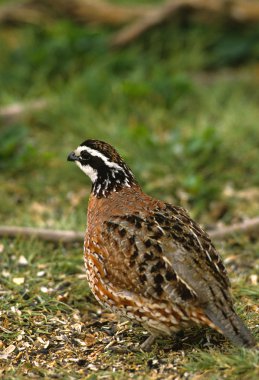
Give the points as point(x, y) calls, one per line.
point(183, 112)
point(57, 330)
point(238, 364)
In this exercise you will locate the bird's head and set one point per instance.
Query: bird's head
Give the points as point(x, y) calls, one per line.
point(106, 169)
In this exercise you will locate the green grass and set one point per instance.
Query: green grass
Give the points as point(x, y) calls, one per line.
point(234, 365)
point(58, 330)
point(183, 112)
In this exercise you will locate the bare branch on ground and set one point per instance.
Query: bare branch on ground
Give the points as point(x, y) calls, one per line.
point(86, 11)
point(236, 10)
point(42, 233)
point(16, 111)
point(138, 18)
point(247, 227)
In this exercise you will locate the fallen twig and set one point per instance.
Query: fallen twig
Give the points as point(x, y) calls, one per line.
point(237, 10)
point(13, 112)
point(86, 11)
point(22, 12)
point(42, 233)
point(248, 227)
point(141, 17)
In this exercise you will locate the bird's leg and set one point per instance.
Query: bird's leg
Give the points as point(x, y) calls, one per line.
point(146, 345)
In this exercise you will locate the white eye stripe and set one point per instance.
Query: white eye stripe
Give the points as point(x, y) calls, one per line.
point(96, 153)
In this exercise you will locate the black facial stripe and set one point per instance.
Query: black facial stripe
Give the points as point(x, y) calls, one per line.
point(94, 161)
point(112, 174)
point(85, 155)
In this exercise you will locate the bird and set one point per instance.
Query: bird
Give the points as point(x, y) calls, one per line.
point(146, 259)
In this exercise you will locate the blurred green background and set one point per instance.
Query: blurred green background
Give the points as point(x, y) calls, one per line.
point(180, 104)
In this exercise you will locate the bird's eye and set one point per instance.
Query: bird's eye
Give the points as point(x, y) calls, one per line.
point(85, 155)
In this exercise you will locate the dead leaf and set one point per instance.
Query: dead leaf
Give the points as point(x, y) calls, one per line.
point(7, 351)
point(18, 280)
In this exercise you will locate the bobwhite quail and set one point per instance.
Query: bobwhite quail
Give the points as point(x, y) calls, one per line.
point(147, 259)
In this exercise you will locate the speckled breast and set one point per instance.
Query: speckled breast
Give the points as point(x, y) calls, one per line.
point(94, 269)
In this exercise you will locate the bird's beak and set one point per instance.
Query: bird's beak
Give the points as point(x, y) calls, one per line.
point(72, 157)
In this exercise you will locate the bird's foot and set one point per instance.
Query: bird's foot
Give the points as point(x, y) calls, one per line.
point(146, 345)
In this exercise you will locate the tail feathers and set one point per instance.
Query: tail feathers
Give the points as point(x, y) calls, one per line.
point(231, 325)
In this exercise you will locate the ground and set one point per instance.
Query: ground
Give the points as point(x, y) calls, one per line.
point(52, 326)
point(184, 114)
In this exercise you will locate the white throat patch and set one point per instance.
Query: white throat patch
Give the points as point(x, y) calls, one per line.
point(88, 170)
point(113, 178)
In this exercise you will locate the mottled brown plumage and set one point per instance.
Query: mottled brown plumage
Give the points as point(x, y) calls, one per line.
point(148, 260)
